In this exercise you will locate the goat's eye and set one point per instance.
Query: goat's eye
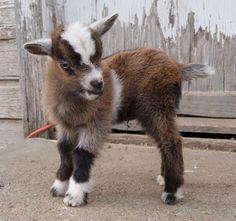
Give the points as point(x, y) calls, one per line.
point(64, 65)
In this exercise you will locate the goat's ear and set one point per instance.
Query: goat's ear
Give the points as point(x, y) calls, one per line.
point(39, 47)
point(103, 25)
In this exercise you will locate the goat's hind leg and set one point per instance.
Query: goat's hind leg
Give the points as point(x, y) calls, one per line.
point(163, 129)
point(170, 145)
point(60, 184)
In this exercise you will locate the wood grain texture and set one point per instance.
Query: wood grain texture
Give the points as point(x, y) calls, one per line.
point(8, 49)
point(189, 124)
point(221, 105)
point(10, 102)
point(7, 20)
point(10, 97)
point(31, 20)
point(8, 60)
point(29, 27)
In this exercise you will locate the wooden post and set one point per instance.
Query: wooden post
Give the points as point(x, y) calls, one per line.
point(29, 26)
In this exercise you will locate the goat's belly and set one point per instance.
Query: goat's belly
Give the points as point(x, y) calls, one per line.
point(125, 113)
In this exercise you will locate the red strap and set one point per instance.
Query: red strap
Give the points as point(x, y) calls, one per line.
point(40, 130)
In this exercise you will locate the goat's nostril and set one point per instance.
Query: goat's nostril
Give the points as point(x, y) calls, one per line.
point(98, 84)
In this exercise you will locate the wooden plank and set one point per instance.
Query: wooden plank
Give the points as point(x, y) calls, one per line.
point(7, 13)
point(8, 60)
point(7, 33)
point(190, 124)
point(30, 26)
point(207, 125)
point(222, 105)
point(10, 102)
point(194, 143)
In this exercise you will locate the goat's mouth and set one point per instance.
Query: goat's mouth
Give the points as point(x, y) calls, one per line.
point(95, 92)
point(92, 94)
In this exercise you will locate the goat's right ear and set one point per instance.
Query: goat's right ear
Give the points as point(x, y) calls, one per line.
point(39, 47)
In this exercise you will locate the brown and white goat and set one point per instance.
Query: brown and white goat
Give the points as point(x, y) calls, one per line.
point(84, 94)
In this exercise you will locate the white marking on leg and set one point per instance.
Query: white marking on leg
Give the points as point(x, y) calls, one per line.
point(160, 180)
point(179, 194)
point(76, 192)
point(60, 187)
point(117, 91)
point(164, 196)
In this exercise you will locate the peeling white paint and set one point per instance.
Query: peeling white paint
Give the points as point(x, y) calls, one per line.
point(211, 14)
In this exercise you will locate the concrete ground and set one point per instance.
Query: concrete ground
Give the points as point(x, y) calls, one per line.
point(126, 188)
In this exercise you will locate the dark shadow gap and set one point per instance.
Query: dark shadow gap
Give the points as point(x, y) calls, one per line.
point(184, 134)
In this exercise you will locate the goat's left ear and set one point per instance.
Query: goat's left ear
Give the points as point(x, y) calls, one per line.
point(39, 47)
point(103, 25)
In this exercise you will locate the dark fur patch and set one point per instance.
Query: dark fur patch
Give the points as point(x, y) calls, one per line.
point(98, 48)
point(69, 53)
point(65, 169)
point(82, 160)
point(61, 49)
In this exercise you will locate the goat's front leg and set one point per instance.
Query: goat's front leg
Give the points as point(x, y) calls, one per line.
point(79, 184)
point(60, 184)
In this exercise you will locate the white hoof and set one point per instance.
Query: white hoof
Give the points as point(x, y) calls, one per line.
point(59, 188)
point(172, 198)
point(77, 193)
point(160, 180)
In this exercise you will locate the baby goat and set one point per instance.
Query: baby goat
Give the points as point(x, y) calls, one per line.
point(84, 94)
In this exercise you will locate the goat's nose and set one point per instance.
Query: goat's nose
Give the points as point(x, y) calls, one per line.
point(98, 84)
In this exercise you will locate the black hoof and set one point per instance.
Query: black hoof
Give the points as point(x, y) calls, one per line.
point(169, 198)
point(53, 192)
point(85, 198)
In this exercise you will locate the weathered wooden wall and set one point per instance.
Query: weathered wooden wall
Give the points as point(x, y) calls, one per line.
point(189, 31)
point(35, 19)
point(10, 99)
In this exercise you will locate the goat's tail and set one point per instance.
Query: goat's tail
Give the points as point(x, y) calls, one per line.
point(191, 71)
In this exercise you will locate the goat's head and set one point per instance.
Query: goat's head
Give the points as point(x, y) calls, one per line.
point(76, 51)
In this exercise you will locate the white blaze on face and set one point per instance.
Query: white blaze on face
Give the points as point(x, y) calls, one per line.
point(94, 74)
point(79, 37)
